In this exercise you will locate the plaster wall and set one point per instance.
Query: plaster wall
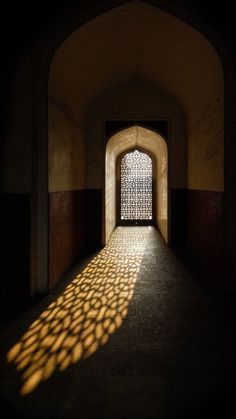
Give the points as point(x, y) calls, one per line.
point(135, 100)
point(66, 149)
point(205, 151)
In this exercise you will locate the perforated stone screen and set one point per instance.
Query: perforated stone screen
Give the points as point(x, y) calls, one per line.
point(136, 186)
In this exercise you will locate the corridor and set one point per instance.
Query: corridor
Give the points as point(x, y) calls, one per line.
point(129, 333)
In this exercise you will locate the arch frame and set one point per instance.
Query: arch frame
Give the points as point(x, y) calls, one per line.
point(155, 145)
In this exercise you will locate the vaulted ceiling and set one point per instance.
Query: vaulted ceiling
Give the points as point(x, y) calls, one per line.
point(136, 41)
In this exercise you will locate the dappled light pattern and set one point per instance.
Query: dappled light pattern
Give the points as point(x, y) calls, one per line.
point(83, 317)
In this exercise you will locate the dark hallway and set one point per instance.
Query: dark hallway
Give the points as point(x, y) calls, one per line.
point(130, 335)
point(108, 311)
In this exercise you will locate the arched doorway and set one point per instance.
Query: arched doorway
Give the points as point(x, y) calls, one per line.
point(147, 143)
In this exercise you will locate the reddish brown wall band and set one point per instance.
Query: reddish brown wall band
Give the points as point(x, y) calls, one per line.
point(93, 219)
point(66, 231)
point(205, 233)
point(75, 228)
point(15, 251)
point(178, 212)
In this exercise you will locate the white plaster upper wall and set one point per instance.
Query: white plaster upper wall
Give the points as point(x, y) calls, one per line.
point(66, 154)
point(205, 153)
point(135, 100)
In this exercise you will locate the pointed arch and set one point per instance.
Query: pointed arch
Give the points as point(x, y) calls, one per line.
point(128, 139)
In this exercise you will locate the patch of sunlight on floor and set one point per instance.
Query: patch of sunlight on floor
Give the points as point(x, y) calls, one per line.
point(83, 317)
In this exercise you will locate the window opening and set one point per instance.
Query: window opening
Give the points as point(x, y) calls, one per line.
point(136, 186)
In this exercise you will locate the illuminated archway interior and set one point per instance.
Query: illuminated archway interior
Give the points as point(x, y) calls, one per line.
point(130, 138)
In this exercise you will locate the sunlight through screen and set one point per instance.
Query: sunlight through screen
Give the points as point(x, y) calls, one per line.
point(136, 186)
point(83, 317)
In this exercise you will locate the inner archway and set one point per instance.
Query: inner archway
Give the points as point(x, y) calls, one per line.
point(152, 144)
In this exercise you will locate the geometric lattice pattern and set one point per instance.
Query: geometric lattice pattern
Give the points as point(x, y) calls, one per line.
point(136, 186)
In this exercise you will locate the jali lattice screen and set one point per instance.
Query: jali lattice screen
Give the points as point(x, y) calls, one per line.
point(136, 186)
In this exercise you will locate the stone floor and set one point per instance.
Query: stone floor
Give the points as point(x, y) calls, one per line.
point(128, 333)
